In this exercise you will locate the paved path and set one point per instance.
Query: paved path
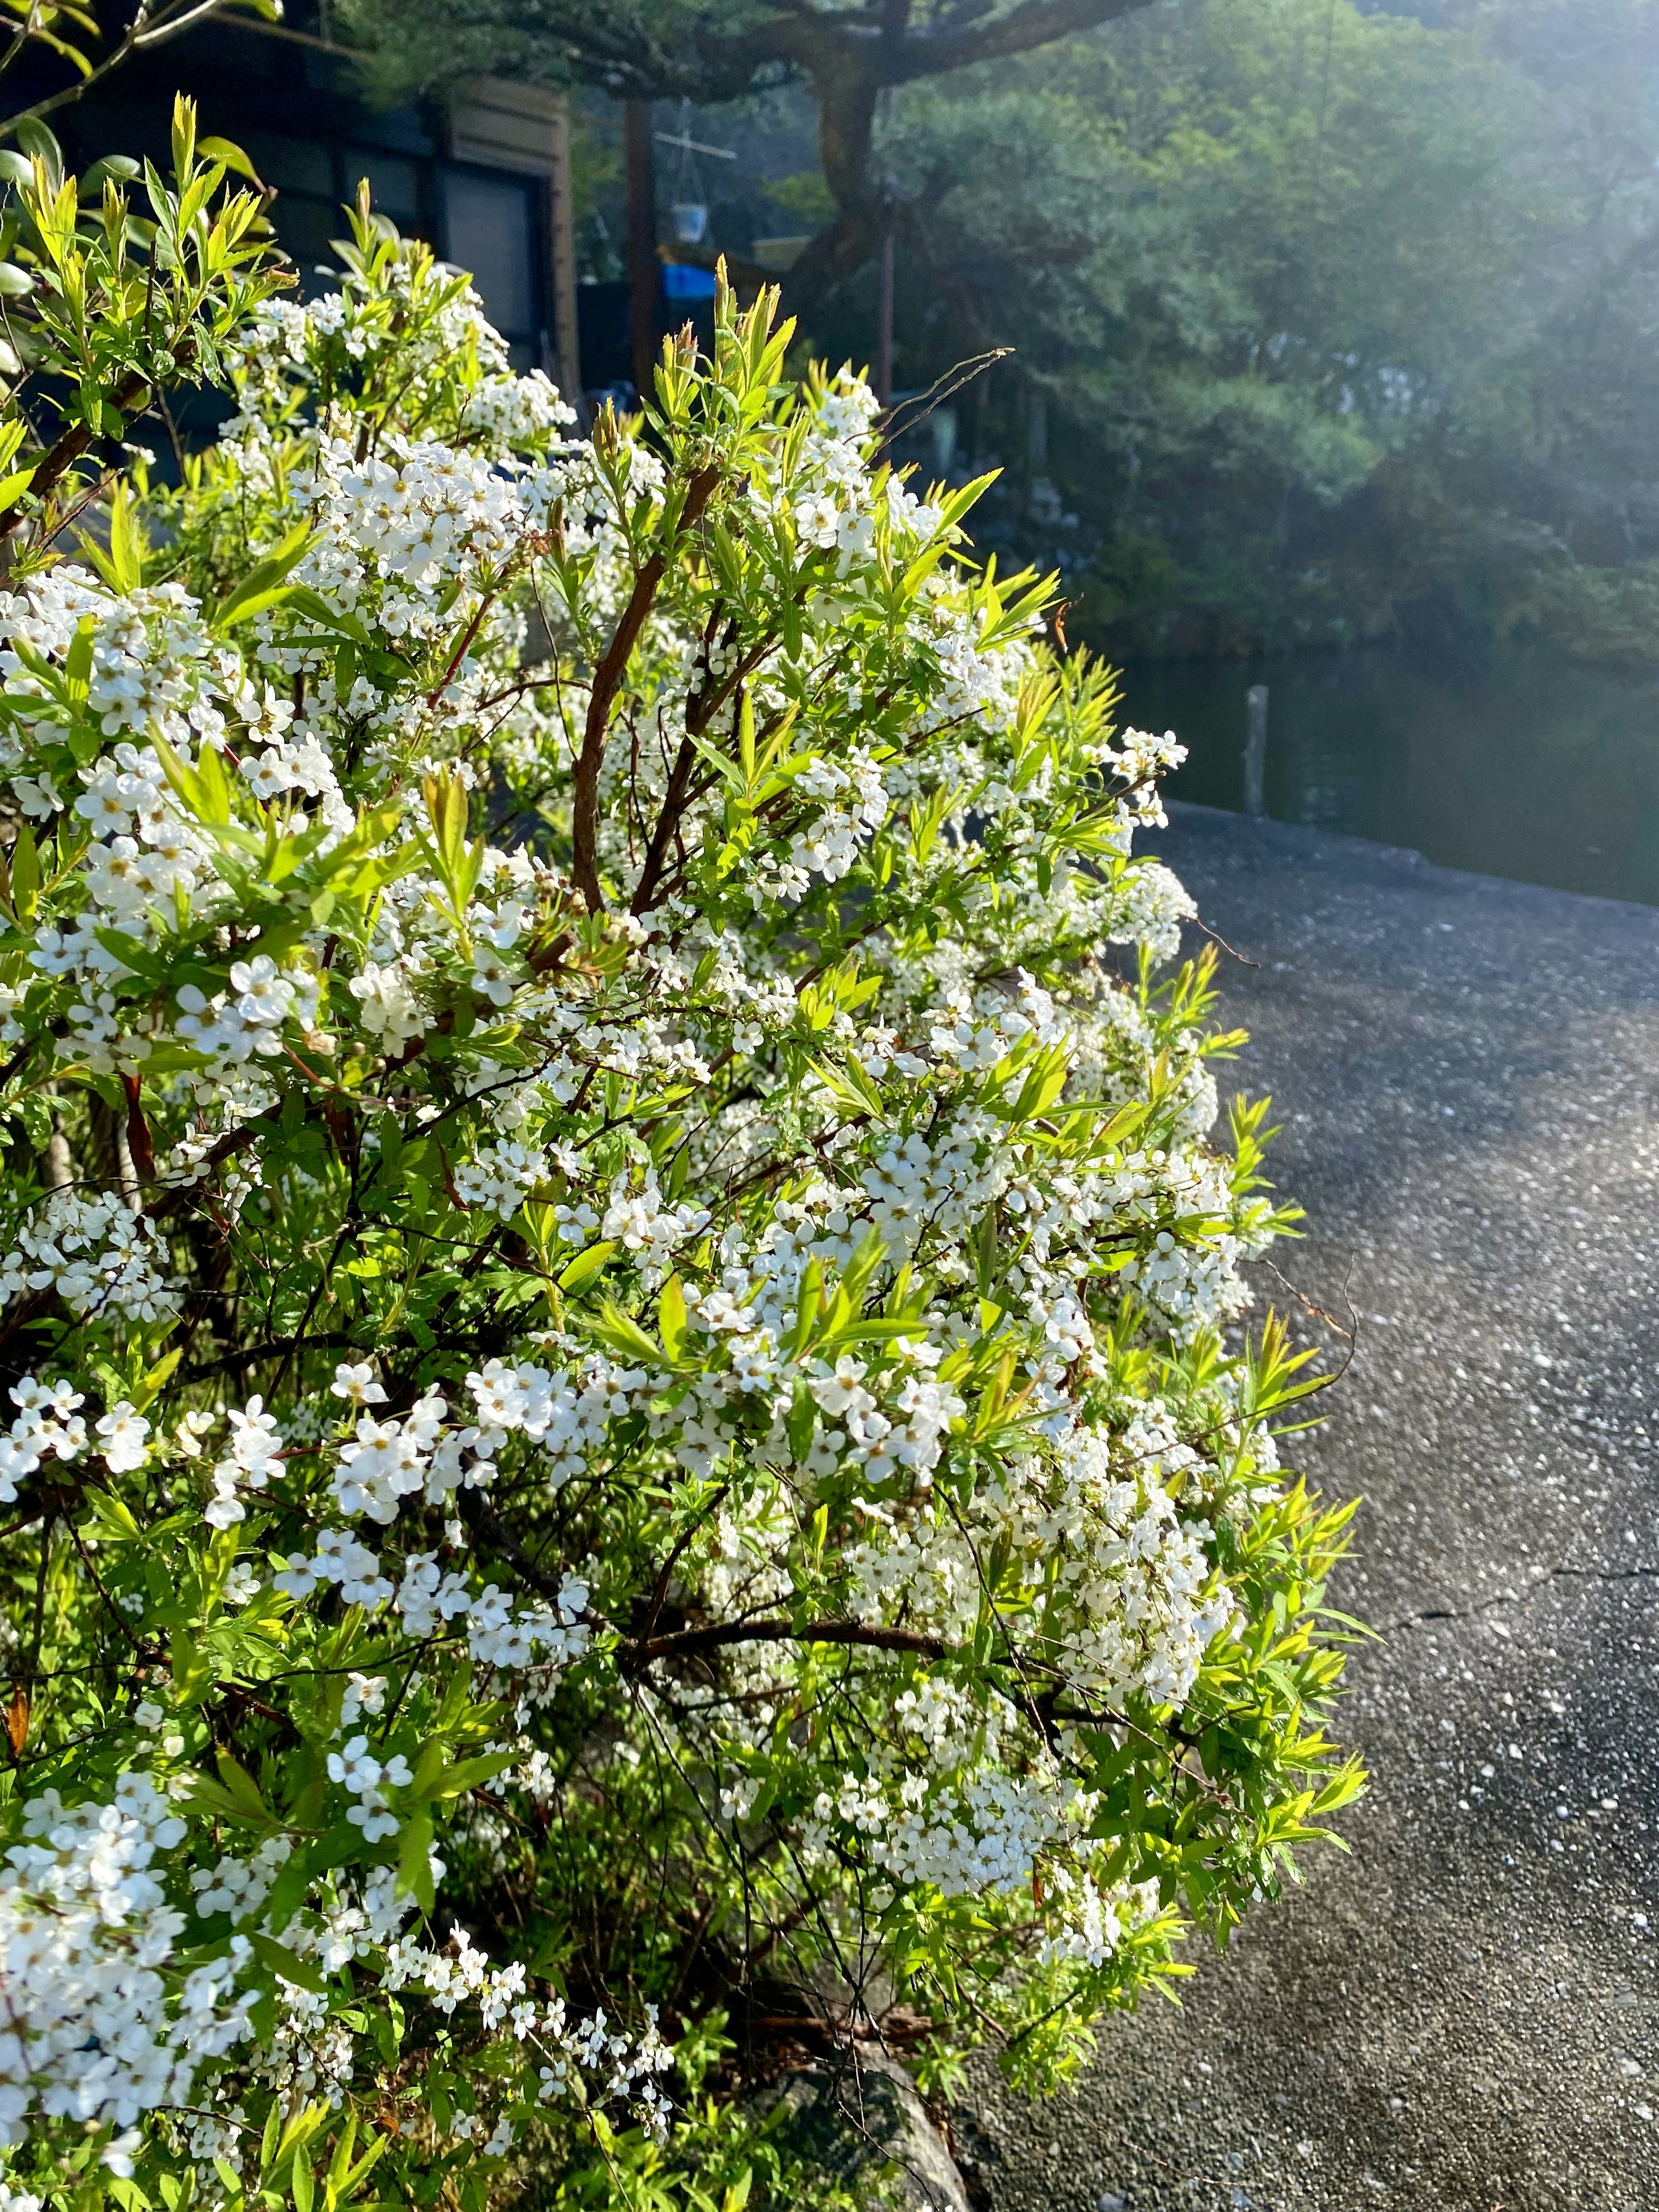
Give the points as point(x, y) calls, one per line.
point(1464, 2014)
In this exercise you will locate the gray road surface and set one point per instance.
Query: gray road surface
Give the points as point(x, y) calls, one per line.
point(1464, 2014)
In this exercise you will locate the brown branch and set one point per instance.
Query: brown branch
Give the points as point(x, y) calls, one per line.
point(461, 651)
point(180, 1194)
point(634, 1653)
point(607, 681)
point(673, 805)
point(484, 1522)
point(941, 389)
point(69, 448)
point(143, 35)
point(654, 1612)
point(146, 1652)
point(1037, 23)
point(139, 1143)
point(689, 1640)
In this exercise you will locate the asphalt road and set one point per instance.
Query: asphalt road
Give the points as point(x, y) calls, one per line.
point(1464, 2013)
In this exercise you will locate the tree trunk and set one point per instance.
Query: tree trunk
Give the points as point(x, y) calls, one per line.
point(844, 245)
point(848, 65)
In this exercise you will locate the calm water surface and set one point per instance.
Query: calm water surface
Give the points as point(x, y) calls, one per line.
point(1522, 763)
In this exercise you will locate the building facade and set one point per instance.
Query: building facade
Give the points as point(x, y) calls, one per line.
point(483, 176)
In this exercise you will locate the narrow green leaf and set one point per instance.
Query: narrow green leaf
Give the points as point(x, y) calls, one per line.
point(292, 1968)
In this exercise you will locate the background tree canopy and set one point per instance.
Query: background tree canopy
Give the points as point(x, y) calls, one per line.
point(1348, 320)
point(1261, 258)
point(1329, 321)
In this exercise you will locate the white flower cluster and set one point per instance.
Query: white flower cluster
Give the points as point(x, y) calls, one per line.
point(855, 807)
point(254, 1457)
point(501, 1178)
point(342, 1560)
point(284, 343)
point(981, 1834)
point(249, 1019)
point(1142, 760)
point(366, 1779)
point(239, 1886)
point(609, 2065)
point(637, 1218)
point(518, 411)
point(415, 518)
point(1093, 1922)
point(499, 1635)
point(90, 2027)
point(46, 1421)
point(153, 667)
point(423, 1456)
point(98, 1254)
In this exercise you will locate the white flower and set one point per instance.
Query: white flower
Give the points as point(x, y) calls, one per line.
point(299, 1577)
point(357, 1385)
point(123, 1430)
point(364, 1693)
point(120, 2152)
point(356, 1768)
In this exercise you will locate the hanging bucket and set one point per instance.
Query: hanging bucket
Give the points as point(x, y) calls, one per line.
point(690, 220)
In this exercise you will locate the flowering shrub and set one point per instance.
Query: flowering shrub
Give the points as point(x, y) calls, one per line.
point(632, 1414)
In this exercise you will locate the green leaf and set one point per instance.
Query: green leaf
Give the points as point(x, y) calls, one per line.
point(261, 587)
point(671, 1317)
point(131, 954)
point(281, 1960)
point(803, 1420)
point(468, 1774)
point(77, 661)
point(226, 151)
point(110, 168)
point(340, 2164)
point(25, 863)
point(359, 2173)
point(624, 1333)
point(586, 1264)
point(213, 1797)
point(241, 1786)
point(414, 1860)
point(108, 1518)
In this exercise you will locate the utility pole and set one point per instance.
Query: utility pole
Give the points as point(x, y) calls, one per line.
point(567, 340)
point(644, 273)
point(884, 320)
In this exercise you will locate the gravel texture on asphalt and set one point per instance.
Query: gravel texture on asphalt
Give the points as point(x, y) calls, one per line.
point(1464, 2013)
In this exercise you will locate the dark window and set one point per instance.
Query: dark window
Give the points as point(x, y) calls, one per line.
point(307, 228)
point(394, 183)
point(491, 227)
point(292, 164)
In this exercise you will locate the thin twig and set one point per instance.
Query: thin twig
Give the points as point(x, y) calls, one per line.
point(938, 391)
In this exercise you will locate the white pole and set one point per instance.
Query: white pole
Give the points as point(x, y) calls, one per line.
point(1255, 747)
